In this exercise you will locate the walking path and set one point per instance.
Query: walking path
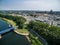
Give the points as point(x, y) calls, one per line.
point(26, 34)
point(21, 33)
point(39, 37)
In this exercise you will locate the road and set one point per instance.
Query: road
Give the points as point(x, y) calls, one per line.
point(39, 37)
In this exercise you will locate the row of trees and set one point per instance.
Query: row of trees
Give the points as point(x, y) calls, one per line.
point(49, 32)
point(18, 19)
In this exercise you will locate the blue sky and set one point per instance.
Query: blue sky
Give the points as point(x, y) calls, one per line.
point(30, 5)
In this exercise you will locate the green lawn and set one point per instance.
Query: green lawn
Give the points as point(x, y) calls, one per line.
point(22, 30)
point(9, 21)
point(35, 40)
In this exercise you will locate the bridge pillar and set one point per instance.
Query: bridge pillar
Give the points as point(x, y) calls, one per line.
point(0, 36)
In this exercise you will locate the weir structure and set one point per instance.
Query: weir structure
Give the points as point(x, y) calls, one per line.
point(0, 36)
point(4, 31)
point(5, 27)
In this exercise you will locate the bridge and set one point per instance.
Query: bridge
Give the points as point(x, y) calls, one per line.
point(6, 30)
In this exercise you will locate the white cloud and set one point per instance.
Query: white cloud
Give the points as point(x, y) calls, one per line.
point(40, 5)
point(32, 5)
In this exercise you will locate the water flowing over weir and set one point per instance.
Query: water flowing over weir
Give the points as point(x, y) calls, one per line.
point(0, 36)
point(6, 30)
point(9, 37)
point(4, 27)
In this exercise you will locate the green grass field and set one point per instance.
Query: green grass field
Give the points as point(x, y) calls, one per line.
point(22, 30)
point(35, 40)
point(11, 22)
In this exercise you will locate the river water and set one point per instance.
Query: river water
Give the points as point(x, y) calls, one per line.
point(3, 25)
point(11, 38)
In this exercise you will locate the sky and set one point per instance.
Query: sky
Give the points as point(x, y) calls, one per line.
point(42, 5)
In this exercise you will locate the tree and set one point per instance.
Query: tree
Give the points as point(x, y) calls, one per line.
point(50, 33)
point(18, 19)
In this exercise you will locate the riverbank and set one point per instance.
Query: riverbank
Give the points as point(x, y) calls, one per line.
point(12, 38)
point(25, 33)
point(22, 31)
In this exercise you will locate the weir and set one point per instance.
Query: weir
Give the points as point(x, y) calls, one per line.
point(0, 36)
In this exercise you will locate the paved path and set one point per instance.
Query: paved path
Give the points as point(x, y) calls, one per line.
point(26, 34)
point(39, 37)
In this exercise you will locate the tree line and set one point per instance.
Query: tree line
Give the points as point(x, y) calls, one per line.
point(18, 19)
point(49, 32)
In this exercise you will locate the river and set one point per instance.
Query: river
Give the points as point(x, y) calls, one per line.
point(11, 38)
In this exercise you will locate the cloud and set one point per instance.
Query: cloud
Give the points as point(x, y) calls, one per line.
point(43, 5)
point(31, 4)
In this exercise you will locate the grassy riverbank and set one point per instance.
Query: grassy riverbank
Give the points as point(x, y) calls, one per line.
point(11, 22)
point(22, 30)
point(35, 40)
